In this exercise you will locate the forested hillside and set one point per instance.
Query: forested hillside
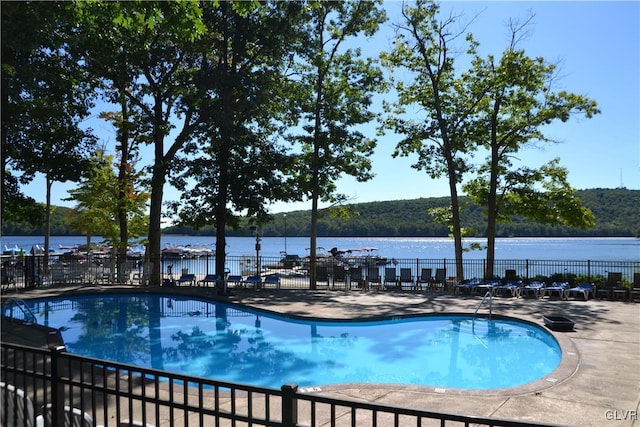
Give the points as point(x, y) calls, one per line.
point(617, 213)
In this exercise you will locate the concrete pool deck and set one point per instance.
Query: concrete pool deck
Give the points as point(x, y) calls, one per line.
point(597, 383)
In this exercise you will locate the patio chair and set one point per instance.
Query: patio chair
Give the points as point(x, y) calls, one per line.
point(19, 408)
point(76, 273)
point(533, 289)
point(558, 289)
point(405, 277)
point(209, 278)
point(322, 274)
point(510, 275)
point(390, 278)
point(143, 274)
point(512, 288)
point(58, 275)
point(425, 277)
point(373, 277)
point(613, 282)
point(635, 287)
point(8, 279)
point(339, 276)
point(618, 291)
point(585, 290)
point(440, 279)
point(128, 423)
point(190, 279)
point(355, 277)
point(73, 417)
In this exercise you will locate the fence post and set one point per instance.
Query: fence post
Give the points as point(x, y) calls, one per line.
point(289, 405)
point(57, 387)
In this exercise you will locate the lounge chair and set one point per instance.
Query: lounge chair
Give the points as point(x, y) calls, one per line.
point(512, 288)
point(558, 289)
point(373, 276)
point(209, 278)
point(405, 277)
point(187, 278)
point(252, 281)
point(339, 276)
point(533, 289)
point(467, 286)
point(425, 277)
point(19, 408)
point(390, 278)
point(272, 279)
point(585, 290)
point(236, 279)
point(487, 286)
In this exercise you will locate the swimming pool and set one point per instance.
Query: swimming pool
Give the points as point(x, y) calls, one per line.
point(225, 342)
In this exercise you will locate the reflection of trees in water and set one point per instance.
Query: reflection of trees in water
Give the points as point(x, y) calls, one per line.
point(113, 329)
point(235, 354)
point(243, 354)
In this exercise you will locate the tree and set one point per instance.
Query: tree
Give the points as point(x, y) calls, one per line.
point(145, 52)
point(100, 203)
point(18, 65)
point(234, 166)
point(335, 86)
point(519, 102)
point(45, 97)
point(434, 108)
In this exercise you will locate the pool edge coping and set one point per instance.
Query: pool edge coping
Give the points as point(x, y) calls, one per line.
point(568, 366)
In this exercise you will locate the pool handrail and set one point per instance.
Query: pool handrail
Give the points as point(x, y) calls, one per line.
point(490, 295)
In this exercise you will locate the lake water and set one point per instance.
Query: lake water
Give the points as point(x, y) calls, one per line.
point(536, 248)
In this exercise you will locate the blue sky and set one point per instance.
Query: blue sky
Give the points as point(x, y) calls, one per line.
point(597, 46)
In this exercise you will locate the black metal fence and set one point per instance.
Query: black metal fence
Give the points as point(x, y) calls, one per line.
point(43, 386)
point(31, 271)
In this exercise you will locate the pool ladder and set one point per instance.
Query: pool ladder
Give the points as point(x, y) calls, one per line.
point(23, 307)
point(489, 294)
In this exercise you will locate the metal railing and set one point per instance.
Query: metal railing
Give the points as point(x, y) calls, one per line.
point(489, 295)
point(107, 393)
point(22, 309)
point(105, 269)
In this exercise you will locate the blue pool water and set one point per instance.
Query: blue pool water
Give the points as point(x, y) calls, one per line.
point(224, 342)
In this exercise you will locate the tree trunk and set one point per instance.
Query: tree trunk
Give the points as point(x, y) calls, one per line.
point(155, 225)
point(123, 194)
point(313, 241)
point(221, 216)
point(47, 226)
point(492, 208)
point(456, 226)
